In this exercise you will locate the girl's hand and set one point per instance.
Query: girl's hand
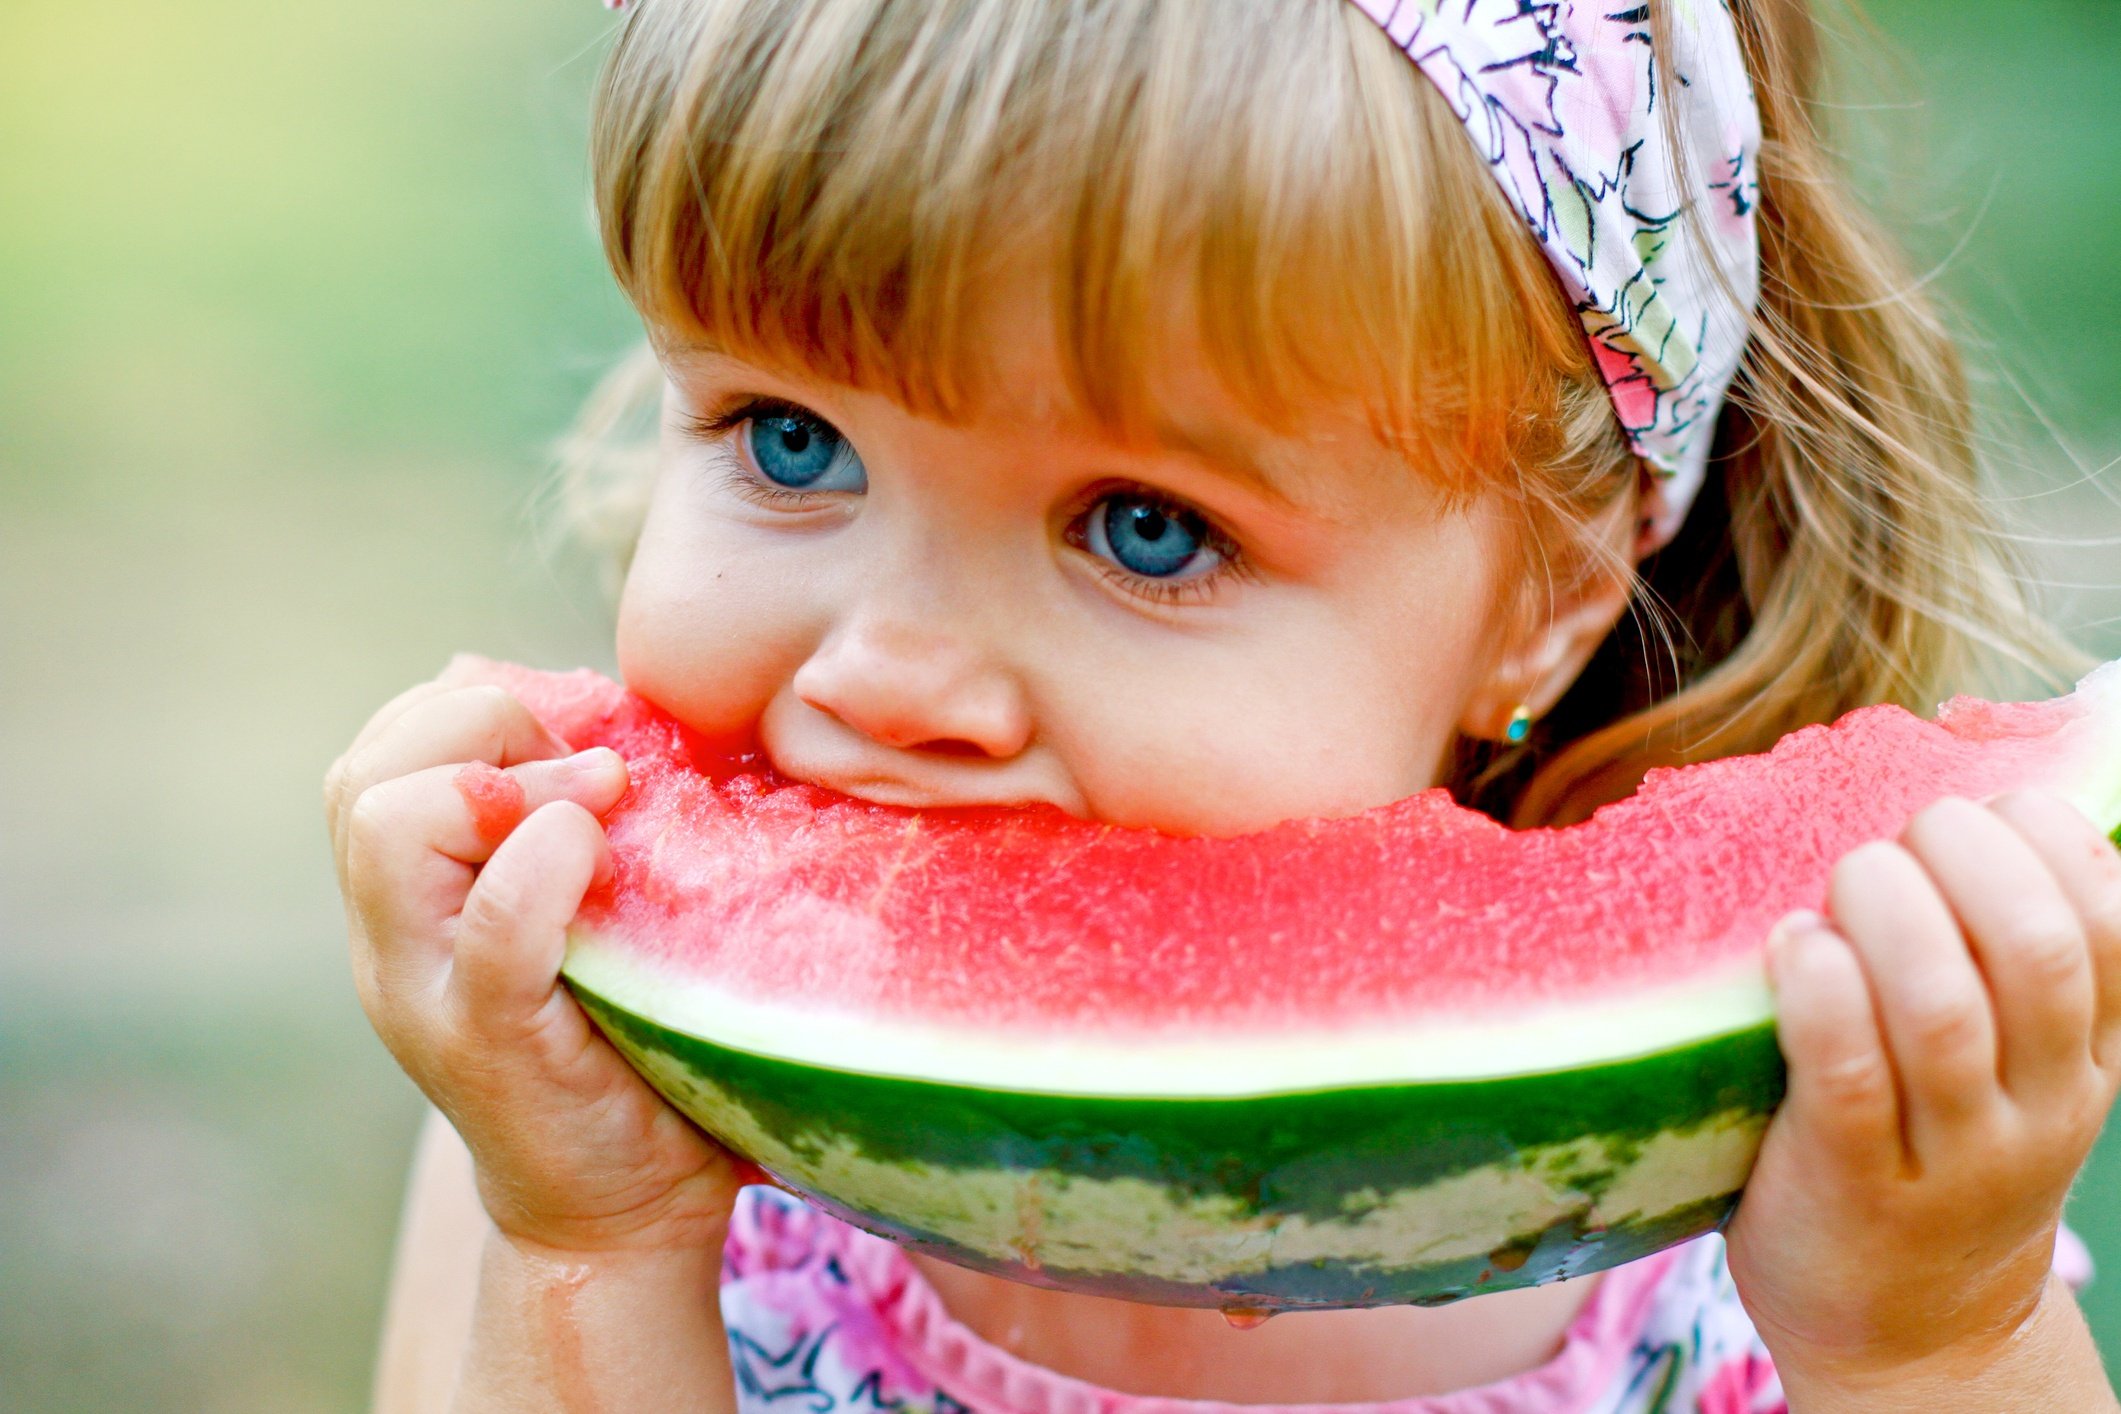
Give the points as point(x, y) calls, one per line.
point(1953, 1034)
point(466, 836)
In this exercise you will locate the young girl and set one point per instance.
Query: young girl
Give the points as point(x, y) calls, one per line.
point(1162, 410)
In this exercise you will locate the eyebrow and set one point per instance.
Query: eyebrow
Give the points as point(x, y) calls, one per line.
point(1223, 455)
point(688, 348)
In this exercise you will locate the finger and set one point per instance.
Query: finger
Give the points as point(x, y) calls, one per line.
point(2026, 937)
point(414, 839)
point(2087, 866)
point(339, 792)
point(462, 670)
point(1842, 1092)
point(470, 670)
point(395, 708)
point(1932, 1005)
point(495, 801)
point(513, 930)
point(456, 725)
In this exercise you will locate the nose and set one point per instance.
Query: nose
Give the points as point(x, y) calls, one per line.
point(915, 687)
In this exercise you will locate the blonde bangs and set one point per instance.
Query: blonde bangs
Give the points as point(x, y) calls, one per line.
point(829, 185)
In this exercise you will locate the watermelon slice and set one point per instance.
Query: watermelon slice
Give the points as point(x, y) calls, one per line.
point(1405, 1056)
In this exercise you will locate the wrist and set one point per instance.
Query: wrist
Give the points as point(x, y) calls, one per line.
point(692, 1216)
point(674, 1242)
point(561, 1329)
point(2043, 1360)
point(632, 1262)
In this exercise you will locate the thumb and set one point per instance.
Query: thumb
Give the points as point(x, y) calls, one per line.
point(512, 933)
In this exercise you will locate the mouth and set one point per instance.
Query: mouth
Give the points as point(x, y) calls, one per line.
point(901, 793)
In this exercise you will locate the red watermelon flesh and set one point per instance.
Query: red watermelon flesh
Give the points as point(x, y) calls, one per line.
point(1029, 922)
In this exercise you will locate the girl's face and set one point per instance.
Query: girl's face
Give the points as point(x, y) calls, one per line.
point(1208, 635)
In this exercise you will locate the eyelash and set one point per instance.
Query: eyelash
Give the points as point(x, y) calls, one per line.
point(1231, 561)
point(717, 427)
point(737, 475)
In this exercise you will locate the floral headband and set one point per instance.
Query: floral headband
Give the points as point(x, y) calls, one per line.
point(1647, 216)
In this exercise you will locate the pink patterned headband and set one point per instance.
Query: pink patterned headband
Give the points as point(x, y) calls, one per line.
point(1647, 221)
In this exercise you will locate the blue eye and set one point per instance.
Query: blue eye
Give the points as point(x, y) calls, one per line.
point(803, 453)
point(1151, 537)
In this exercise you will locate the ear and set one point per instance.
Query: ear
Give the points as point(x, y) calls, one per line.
point(1559, 625)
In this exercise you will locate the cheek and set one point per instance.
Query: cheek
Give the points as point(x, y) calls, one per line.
point(1318, 725)
point(707, 633)
point(1334, 699)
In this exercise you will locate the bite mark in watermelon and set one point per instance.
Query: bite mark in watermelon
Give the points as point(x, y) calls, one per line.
point(1405, 1056)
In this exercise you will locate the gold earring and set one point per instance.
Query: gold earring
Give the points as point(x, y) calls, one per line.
point(1520, 725)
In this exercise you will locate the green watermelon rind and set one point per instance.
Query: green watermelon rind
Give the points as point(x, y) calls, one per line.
point(1347, 1196)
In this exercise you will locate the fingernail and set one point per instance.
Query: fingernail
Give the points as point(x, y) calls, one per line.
point(1789, 928)
point(1797, 920)
point(596, 758)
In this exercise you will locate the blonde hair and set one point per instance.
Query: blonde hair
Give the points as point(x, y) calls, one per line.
point(826, 184)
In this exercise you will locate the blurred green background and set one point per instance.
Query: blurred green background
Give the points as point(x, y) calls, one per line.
point(292, 299)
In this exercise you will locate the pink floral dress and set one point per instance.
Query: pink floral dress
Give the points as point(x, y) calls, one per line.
point(825, 1319)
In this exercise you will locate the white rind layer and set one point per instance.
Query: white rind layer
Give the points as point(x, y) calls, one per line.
point(1616, 1028)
